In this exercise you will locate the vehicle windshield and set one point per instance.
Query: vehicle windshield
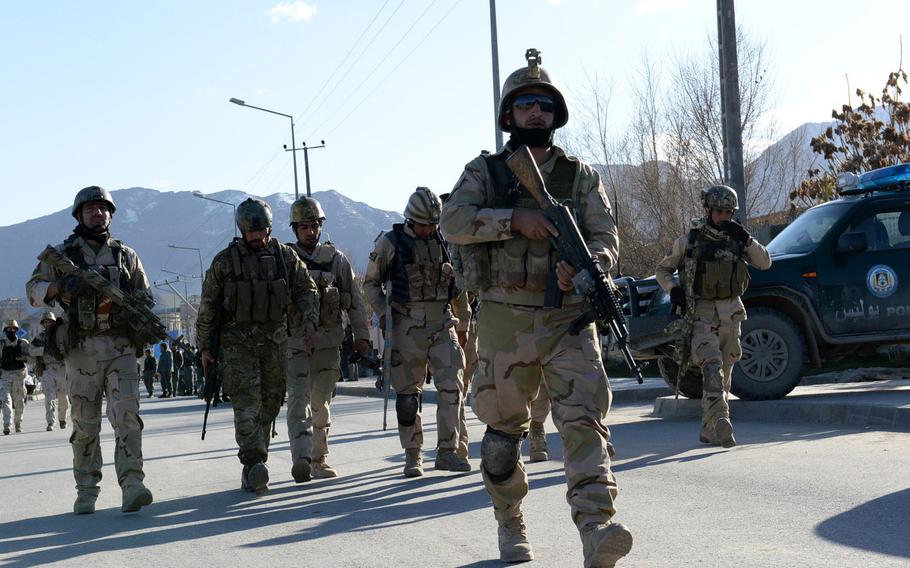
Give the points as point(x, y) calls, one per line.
point(804, 234)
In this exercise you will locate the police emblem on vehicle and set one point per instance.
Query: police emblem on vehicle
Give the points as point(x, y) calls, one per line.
point(881, 280)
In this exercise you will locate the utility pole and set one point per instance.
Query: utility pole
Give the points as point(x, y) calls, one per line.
point(731, 120)
point(495, 51)
point(306, 160)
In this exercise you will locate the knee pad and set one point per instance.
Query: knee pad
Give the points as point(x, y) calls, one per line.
point(406, 407)
point(499, 454)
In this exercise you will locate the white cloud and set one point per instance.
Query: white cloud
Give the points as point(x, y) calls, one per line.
point(647, 7)
point(297, 11)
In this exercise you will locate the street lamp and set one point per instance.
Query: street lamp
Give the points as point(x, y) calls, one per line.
point(200, 195)
point(199, 252)
point(237, 101)
point(306, 160)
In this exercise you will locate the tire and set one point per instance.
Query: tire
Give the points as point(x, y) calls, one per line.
point(691, 384)
point(773, 356)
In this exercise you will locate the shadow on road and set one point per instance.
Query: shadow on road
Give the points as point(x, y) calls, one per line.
point(870, 526)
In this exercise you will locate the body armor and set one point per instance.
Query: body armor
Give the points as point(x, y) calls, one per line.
point(257, 290)
point(517, 262)
point(421, 270)
point(721, 273)
point(93, 314)
point(11, 351)
point(332, 299)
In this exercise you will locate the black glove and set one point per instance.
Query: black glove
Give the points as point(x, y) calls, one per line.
point(736, 231)
point(678, 296)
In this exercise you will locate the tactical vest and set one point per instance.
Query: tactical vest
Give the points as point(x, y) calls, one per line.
point(257, 289)
point(721, 273)
point(421, 270)
point(8, 360)
point(517, 262)
point(332, 299)
point(93, 314)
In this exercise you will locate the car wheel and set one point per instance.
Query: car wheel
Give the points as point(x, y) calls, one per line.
point(773, 356)
point(690, 387)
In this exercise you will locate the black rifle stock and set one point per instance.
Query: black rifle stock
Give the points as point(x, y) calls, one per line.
point(387, 355)
point(590, 280)
point(211, 379)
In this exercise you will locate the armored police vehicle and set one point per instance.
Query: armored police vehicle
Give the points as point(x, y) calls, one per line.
point(839, 284)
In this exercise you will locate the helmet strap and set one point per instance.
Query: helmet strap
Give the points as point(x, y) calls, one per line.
point(532, 137)
point(91, 234)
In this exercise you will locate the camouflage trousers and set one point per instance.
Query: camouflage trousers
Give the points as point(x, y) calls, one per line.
point(14, 385)
point(470, 365)
point(715, 349)
point(53, 381)
point(520, 349)
point(419, 344)
point(255, 377)
point(311, 380)
point(98, 367)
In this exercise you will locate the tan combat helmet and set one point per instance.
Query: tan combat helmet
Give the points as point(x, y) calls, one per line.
point(531, 76)
point(423, 207)
point(720, 197)
point(253, 215)
point(48, 316)
point(92, 193)
point(306, 210)
point(11, 324)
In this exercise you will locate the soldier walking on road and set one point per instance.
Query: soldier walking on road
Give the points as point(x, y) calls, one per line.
point(244, 307)
point(149, 368)
point(165, 371)
point(100, 349)
point(312, 375)
point(503, 250)
point(52, 374)
point(12, 374)
point(713, 261)
point(413, 257)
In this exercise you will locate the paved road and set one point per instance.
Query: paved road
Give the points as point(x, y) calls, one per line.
point(789, 495)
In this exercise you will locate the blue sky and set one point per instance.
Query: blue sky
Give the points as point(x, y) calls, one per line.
point(126, 94)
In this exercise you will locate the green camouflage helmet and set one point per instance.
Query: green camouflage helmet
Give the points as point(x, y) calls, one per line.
point(306, 210)
point(48, 315)
point(720, 197)
point(423, 207)
point(531, 76)
point(253, 215)
point(11, 324)
point(92, 193)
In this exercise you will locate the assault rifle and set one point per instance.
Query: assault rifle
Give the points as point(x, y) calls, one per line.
point(590, 280)
point(210, 386)
point(144, 325)
point(387, 355)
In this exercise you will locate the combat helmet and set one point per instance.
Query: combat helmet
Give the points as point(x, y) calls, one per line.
point(531, 76)
point(253, 215)
point(306, 210)
point(11, 324)
point(48, 315)
point(423, 207)
point(92, 193)
point(720, 197)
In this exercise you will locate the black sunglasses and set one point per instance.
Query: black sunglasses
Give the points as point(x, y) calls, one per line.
point(527, 102)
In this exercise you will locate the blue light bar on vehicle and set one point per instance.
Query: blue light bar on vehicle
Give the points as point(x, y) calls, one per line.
point(889, 177)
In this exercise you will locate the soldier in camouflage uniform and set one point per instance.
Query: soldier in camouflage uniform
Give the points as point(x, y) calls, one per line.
point(99, 349)
point(414, 258)
point(503, 250)
point(52, 375)
point(718, 251)
point(467, 338)
point(312, 376)
point(12, 374)
point(244, 306)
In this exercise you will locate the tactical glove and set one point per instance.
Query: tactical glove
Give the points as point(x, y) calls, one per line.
point(678, 296)
point(736, 231)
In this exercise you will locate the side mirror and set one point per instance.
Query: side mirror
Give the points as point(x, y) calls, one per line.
point(851, 242)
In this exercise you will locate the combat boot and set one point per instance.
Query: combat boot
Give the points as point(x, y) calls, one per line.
point(6, 431)
point(706, 435)
point(63, 424)
point(448, 460)
point(135, 496)
point(605, 543)
point(537, 443)
point(257, 478)
point(300, 471)
point(322, 470)
point(413, 462)
point(513, 541)
point(723, 430)
point(85, 503)
point(50, 427)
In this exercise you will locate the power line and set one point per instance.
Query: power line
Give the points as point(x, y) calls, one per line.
point(405, 58)
point(376, 67)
